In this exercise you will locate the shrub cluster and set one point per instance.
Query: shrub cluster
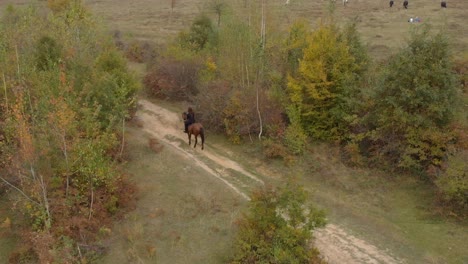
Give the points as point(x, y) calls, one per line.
point(67, 92)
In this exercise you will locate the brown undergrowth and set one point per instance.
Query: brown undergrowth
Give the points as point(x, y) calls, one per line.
point(77, 233)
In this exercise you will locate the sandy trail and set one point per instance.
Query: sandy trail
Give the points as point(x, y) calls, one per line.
point(336, 245)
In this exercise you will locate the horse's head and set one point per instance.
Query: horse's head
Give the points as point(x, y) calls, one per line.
point(184, 116)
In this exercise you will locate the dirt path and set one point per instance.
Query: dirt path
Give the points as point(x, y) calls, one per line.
point(337, 245)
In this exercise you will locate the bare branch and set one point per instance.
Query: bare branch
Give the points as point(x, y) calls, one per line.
point(20, 191)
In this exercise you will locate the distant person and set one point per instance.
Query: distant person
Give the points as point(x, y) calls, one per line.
point(190, 119)
point(405, 4)
point(391, 3)
point(345, 2)
point(443, 4)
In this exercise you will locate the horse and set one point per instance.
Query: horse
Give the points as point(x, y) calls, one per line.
point(405, 4)
point(443, 4)
point(195, 129)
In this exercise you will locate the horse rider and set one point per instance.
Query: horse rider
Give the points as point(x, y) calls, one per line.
point(190, 119)
point(391, 3)
point(405, 4)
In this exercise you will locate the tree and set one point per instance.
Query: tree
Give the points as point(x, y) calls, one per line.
point(415, 102)
point(219, 7)
point(295, 45)
point(324, 81)
point(65, 90)
point(200, 34)
point(278, 227)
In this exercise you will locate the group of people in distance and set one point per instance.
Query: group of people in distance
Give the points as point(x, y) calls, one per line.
point(443, 4)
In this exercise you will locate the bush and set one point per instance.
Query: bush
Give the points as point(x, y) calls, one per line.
point(173, 79)
point(273, 149)
point(199, 35)
point(212, 96)
point(453, 183)
point(278, 227)
point(295, 137)
point(48, 53)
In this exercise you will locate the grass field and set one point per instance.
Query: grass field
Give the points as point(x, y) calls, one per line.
point(182, 216)
point(382, 28)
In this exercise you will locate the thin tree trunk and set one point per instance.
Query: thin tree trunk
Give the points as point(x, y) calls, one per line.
point(6, 94)
point(48, 221)
point(263, 40)
point(259, 115)
point(92, 199)
point(65, 153)
point(123, 137)
point(263, 28)
point(17, 60)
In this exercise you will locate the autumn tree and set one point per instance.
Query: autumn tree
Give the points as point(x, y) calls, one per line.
point(326, 78)
point(415, 102)
point(66, 90)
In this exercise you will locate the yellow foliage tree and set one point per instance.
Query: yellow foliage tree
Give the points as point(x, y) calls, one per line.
point(323, 82)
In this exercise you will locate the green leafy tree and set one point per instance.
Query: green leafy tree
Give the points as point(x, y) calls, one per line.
point(65, 88)
point(415, 102)
point(278, 228)
point(200, 34)
point(48, 53)
point(295, 45)
point(115, 89)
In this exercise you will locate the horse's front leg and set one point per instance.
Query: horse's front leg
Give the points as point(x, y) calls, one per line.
point(196, 140)
point(189, 139)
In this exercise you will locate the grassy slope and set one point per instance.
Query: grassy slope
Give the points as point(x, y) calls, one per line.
point(182, 216)
point(392, 211)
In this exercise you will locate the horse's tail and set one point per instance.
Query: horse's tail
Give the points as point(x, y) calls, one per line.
point(202, 135)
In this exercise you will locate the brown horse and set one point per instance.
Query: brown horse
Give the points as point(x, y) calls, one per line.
point(195, 129)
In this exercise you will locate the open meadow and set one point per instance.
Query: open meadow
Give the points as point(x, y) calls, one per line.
point(384, 29)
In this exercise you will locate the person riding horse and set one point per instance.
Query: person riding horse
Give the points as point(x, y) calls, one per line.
point(192, 128)
point(190, 119)
point(391, 3)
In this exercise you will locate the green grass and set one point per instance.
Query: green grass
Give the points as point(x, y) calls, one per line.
point(392, 211)
point(383, 29)
point(182, 216)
